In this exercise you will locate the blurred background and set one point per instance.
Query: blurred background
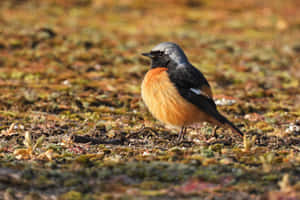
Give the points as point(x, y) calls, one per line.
point(51, 41)
point(77, 45)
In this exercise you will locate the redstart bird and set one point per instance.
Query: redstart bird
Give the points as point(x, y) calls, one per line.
point(177, 93)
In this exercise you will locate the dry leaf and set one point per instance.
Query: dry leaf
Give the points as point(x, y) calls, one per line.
point(23, 154)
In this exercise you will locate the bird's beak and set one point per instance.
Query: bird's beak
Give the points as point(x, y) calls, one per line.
point(147, 54)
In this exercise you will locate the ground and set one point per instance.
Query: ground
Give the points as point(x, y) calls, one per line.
point(73, 125)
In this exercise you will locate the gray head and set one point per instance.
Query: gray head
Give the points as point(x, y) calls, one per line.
point(167, 53)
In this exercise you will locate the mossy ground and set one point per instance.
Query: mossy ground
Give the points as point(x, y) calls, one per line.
point(73, 68)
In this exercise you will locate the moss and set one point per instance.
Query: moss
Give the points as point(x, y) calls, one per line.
point(71, 195)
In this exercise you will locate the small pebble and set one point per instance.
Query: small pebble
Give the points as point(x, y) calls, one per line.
point(293, 128)
point(225, 102)
point(146, 153)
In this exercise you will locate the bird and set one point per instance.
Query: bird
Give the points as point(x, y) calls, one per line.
point(176, 93)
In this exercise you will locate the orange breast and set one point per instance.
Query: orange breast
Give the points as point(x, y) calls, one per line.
point(164, 101)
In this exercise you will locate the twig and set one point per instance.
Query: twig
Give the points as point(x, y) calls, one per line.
point(142, 130)
point(87, 139)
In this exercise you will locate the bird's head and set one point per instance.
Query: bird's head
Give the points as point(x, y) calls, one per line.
point(166, 54)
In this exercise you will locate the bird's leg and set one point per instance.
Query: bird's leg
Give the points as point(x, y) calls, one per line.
point(181, 134)
point(215, 131)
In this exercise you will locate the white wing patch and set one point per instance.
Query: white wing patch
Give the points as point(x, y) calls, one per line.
point(196, 91)
point(199, 92)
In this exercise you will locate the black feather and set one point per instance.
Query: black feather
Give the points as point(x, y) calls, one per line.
point(186, 77)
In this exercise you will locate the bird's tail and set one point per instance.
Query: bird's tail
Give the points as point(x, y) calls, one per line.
point(230, 125)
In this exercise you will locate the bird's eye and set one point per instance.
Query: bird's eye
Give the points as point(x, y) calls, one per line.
point(157, 53)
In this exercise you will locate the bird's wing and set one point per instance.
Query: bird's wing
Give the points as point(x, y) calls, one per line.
point(192, 85)
point(189, 77)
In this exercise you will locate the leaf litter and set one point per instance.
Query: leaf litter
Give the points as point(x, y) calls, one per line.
point(73, 125)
